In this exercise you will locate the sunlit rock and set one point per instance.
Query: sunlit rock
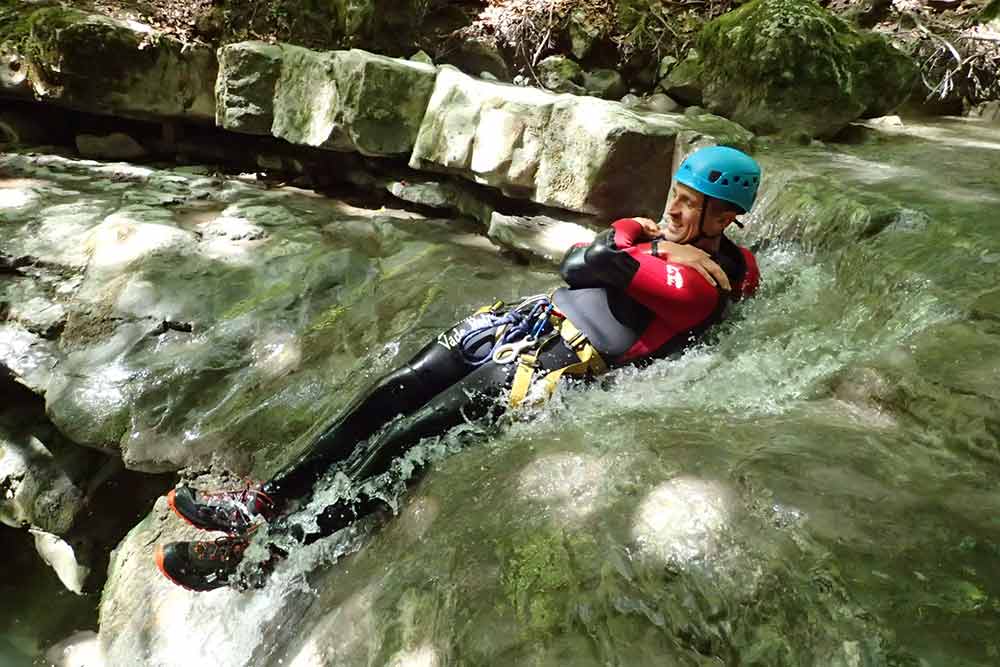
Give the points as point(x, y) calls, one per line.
point(40, 316)
point(29, 356)
point(12, 199)
point(341, 100)
point(682, 520)
point(119, 241)
point(541, 236)
point(568, 486)
point(62, 558)
point(81, 649)
point(13, 71)
point(423, 656)
point(577, 153)
point(418, 515)
point(88, 395)
point(276, 353)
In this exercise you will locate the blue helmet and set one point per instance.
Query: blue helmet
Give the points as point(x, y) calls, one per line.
point(722, 172)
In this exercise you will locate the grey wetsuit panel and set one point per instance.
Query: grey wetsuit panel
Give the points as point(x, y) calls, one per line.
point(589, 310)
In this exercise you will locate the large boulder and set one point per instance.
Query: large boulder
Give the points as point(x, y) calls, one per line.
point(245, 88)
point(683, 81)
point(791, 67)
point(101, 65)
point(576, 153)
point(340, 100)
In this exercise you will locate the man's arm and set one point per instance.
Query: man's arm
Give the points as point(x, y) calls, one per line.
point(604, 262)
point(678, 296)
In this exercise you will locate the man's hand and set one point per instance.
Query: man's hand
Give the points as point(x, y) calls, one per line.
point(697, 259)
point(649, 228)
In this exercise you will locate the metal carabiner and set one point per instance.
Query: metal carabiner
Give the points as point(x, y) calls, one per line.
point(505, 354)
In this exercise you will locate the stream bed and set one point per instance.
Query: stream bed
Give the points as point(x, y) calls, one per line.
point(818, 486)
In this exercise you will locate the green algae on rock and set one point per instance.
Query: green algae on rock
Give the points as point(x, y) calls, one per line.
point(791, 67)
point(102, 65)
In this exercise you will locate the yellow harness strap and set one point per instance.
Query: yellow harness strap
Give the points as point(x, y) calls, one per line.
point(526, 364)
point(590, 362)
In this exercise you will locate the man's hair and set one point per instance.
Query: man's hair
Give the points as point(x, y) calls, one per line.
point(723, 206)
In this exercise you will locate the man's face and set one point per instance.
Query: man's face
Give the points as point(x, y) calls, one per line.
point(684, 213)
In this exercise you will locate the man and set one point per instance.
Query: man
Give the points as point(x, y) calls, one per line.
point(634, 294)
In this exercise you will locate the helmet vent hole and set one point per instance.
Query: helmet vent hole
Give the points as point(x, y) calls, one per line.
point(714, 175)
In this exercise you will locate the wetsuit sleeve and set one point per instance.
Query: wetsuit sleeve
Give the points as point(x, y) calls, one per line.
point(679, 297)
point(604, 262)
point(751, 280)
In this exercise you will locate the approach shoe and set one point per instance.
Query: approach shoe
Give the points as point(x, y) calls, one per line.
point(201, 566)
point(232, 512)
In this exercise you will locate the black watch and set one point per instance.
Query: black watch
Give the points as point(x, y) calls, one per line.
point(654, 247)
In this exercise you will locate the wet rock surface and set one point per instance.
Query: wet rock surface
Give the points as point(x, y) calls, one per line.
point(143, 292)
point(549, 569)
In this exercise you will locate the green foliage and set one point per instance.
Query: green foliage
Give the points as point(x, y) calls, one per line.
point(323, 24)
point(773, 62)
point(989, 12)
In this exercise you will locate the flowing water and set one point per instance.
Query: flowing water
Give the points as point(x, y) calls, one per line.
point(818, 486)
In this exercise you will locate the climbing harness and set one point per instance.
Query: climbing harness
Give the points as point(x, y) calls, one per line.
point(589, 363)
point(513, 331)
point(519, 334)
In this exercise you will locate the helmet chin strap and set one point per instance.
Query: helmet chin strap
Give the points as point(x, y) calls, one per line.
point(701, 223)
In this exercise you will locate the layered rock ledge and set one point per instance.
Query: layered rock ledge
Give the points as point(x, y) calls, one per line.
point(576, 153)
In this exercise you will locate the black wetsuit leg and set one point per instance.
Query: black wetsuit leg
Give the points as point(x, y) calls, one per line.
point(437, 366)
point(475, 398)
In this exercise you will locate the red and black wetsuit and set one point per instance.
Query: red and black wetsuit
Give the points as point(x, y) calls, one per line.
point(631, 305)
point(634, 306)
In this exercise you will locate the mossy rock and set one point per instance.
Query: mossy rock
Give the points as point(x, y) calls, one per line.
point(100, 65)
point(791, 67)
